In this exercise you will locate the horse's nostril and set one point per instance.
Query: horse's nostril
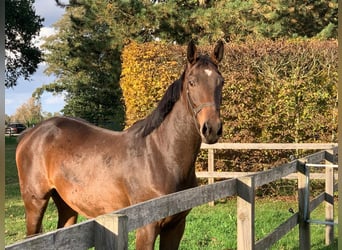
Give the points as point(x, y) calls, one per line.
point(205, 128)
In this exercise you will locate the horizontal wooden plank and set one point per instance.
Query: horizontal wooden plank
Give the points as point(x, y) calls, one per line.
point(271, 146)
point(156, 209)
point(314, 158)
point(79, 236)
point(268, 176)
point(278, 233)
point(331, 155)
point(229, 175)
point(315, 202)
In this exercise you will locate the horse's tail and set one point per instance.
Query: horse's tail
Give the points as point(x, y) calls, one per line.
point(22, 134)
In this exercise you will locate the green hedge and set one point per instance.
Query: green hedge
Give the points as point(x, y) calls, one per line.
point(275, 91)
point(283, 91)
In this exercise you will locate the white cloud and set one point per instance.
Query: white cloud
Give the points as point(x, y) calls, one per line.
point(8, 101)
point(47, 31)
point(52, 103)
point(53, 100)
point(44, 33)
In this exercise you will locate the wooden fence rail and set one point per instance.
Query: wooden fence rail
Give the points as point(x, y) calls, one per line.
point(211, 173)
point(270, 146)
point(110, 231)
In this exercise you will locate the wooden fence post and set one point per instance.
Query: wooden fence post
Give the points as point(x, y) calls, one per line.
point(111, 232)
point(303, 206)
point(245, 213)
point(329, 205)
point(211, 169)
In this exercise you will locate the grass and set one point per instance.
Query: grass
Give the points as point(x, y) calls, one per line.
point(207, 227)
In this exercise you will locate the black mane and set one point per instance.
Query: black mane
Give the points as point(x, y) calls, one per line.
point(153, 121)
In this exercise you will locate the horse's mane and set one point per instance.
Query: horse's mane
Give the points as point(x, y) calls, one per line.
point(153, 121)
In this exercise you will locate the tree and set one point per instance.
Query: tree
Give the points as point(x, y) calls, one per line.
point(29, 113)
point(21, 27)
point(85, 57)
point(47, 115)
point(85, 53)
point(284, 18)
point(7, 119)
point(208, 21)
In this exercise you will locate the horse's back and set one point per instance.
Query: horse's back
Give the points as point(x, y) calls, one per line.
point(59, 128)
point(35, 144)
point(60, 137)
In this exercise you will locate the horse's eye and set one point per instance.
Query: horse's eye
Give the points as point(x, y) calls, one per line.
point(192, 82)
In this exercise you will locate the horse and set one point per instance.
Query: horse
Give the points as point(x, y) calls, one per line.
point(92, 171)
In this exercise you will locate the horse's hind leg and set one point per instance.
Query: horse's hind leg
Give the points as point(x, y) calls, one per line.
point(66, 215)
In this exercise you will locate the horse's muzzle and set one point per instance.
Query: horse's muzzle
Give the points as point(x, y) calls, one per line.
point(211, 131)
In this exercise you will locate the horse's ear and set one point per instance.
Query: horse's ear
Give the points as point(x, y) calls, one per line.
point(217, 55)
point(192, 52)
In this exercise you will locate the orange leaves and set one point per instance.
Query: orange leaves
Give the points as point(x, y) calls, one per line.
point(147, 70)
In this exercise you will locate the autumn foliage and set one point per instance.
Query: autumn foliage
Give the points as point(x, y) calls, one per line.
point(147, 70)
point(275, 91)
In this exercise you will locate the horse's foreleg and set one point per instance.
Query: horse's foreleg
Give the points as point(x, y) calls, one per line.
point(34, 211)
point(146, 237)
point(66, 215)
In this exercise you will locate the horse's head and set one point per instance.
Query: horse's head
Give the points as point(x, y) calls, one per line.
point(203, 84)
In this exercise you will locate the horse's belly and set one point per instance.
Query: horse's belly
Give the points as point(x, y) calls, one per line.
point(93, 200)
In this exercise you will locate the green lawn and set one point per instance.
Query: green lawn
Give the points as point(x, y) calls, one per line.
point(207, 227)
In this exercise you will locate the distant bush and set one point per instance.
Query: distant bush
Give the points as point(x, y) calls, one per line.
point(275, 91)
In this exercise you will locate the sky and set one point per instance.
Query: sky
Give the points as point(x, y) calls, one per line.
point(16, 96)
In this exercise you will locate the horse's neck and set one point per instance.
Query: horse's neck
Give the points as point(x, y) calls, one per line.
point(179, 132)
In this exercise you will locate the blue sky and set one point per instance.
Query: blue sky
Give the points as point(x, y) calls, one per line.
point(16, 96)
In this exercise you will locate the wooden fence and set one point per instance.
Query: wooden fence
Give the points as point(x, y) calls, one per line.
point(110, 231)
point(211, 174)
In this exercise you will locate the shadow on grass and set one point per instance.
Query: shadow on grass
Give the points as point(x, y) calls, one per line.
point(12, 191)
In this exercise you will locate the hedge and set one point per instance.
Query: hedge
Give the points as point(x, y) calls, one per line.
point(147, 70)
point(275, 91)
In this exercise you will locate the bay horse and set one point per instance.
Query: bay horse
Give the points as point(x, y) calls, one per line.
point(91, 171)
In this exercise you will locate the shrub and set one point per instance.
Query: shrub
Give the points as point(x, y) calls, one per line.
point(147, 70)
